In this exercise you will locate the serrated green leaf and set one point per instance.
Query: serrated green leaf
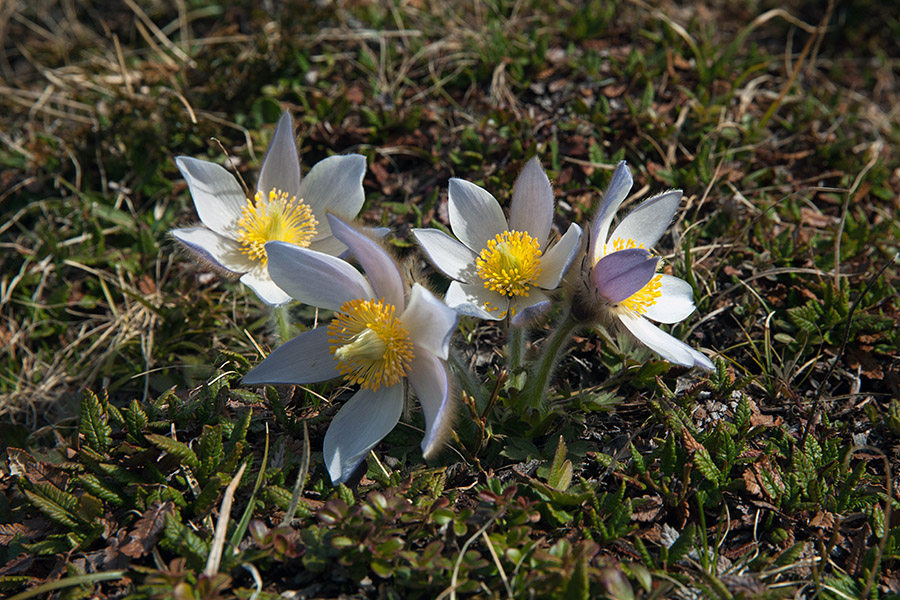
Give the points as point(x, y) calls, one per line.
point(52, 510)
point(682, 546)
point(135, 420)
point(669, 456)
point(209, 494)
point(175, 448)
point(742, 415)
point(210, 451)
point(638, 460)
point(181, 540)
point(706, 466)
point(93, 424)
point(103, 490)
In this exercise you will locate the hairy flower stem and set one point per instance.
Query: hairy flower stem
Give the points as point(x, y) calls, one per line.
point(284, 329)
point(535, 394)
point(515, 348)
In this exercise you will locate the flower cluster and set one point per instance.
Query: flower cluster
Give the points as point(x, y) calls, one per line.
point(389, 335)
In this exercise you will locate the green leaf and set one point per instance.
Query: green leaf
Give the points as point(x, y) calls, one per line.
point(638, 460)
point(210, 451)
point(93, 425)
point(135, 420)
point(579, 585)
point(669, 457)
point(706, 466)
point(560, 477)
point(52, 510)
point(175, 448)
point(680, 548)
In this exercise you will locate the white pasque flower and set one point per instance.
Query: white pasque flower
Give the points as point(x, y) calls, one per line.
point(286, 208)
point(501, 268)
point(378, 339)
point(622, 273)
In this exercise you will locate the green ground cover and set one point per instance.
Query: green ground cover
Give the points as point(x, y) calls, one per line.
point(123, 418)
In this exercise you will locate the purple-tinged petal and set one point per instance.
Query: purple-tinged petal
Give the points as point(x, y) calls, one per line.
point(429, 378)
point(209, 246)
point(429, 322)
point(675, 303)
point(622, 274)
point(380, 268)
point(281, 167)
point(304, 359)
point(258, 280)
point(531, 208)
point(475, 215)
point(556, 261)
point(216, 193)
point(314, 278)
point(360, 424)
point(649, 221)
point(526, 309)
point(615, 194)
point(670, 348)
point(334, 185)
point(473, 300)
point(449, 256)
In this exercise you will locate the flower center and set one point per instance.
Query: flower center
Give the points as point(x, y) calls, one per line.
point(510, 263)
point(276, 218)
point(370, 344)
point(644, 298)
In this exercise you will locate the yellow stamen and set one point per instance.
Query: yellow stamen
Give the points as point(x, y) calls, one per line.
point(644, 298)
point(370, 344)
point(510, 263)
point(276, 218)
point(620, 244)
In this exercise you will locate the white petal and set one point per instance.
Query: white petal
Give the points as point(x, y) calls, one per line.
point(380, 268)
point(670, 348)
point(304, 359)
point(360, 424)
point(216, 193)
point(334, 185)
point(531, 208)
point(329, 245)
point(281, 168)
point(314, 278)
point(475, 215)
point(649, 221)
point(526, 309)
point(470, 299)
point(221, 251)
point(429, 378)
point(617, 191)
point(429, 322)
point(449, 256)
point(258, 280)
point(555, 261)
point(675, 303)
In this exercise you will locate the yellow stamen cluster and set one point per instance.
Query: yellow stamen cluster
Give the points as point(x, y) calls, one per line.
point(370, 344)
point(275, 218)
point(644, 298)
point(510, 263)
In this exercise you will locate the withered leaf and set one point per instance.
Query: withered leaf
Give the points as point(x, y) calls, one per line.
point(146, 529)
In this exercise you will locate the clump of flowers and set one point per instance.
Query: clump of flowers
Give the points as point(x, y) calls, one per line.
point(501, 268)
point(620, 283)
point(384, 334)
point(388, 334)
point(285, 207)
